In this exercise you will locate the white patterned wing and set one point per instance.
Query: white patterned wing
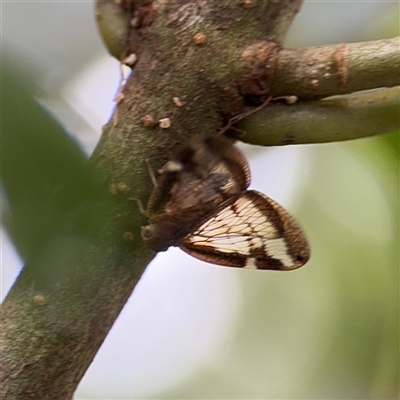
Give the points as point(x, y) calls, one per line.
point(249, 231)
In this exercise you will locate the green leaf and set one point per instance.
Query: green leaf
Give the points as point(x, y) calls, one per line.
point(46, 176)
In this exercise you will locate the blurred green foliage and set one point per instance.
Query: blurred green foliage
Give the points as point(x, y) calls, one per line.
point(328, 330)
point(46, 177)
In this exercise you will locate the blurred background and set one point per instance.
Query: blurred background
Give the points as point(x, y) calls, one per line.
point(195, 330)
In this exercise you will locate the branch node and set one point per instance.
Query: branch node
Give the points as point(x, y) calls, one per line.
point(340, 59)
point(260, 64)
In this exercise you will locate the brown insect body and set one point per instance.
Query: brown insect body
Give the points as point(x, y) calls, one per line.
point(206, 172)
point(201, 205)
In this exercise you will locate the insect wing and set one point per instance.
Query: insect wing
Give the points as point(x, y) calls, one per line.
point(249, 231)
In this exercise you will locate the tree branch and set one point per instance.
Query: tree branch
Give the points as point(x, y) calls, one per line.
point(322, 71)
point(329, 120)
point(69, 294)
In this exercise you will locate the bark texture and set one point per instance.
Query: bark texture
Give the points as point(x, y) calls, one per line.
point(197, 63)
point(66, 299)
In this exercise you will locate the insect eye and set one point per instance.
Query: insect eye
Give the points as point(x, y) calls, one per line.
point(146, 232)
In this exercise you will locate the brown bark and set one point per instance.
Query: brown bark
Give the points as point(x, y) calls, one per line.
point(66, 299)
point(196, 60)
